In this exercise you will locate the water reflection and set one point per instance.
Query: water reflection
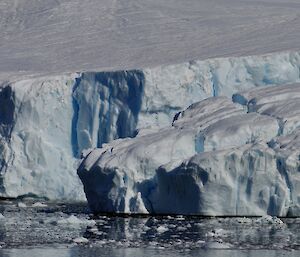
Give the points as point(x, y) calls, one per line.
point(194, 232)
point(140, 252)
point(70, 225)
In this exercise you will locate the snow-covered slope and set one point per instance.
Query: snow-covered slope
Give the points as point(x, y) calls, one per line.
point(58, 36)
point(46, 123)
point(217, 158)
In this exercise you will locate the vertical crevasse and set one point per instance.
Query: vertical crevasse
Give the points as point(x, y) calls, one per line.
point(106, 107)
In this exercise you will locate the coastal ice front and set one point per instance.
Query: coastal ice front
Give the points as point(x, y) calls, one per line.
point(47, 125)
point(220, 156)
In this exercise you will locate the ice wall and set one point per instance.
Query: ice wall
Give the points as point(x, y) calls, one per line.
point(45, 123)
point(106, 106)
point(36, 156)
point(217, 158)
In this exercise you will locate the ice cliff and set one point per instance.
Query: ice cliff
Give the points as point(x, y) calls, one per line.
point(46, 123)
point(219, 157)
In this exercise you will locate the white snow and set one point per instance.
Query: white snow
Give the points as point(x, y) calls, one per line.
point(215, 159)
point(58, 36)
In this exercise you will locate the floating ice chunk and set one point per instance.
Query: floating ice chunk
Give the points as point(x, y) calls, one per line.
point(181, 228)
point(39, 205)
point(21, 205)
point(162, 229)
point(269, 220)
point(200, 242)
point(80, 240)
point(244, 220)
point(217, 233)
point(180, 217)
point(146, 228)
point(74, 221)
point(92, 229)
point(217, 245)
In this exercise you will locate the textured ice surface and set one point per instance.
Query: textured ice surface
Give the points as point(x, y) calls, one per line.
point(217, 158)
point(46, 123)
point(58, 36)
point(36, 156)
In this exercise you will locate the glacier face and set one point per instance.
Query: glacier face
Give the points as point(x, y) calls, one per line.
point(106, 107)
point(217, 158)
point(46, 123)
point(35, 137)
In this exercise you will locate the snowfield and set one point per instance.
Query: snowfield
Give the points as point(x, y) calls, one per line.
point(58, 36)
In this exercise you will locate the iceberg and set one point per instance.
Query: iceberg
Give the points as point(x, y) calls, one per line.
point(48, 124)
point(234, 156)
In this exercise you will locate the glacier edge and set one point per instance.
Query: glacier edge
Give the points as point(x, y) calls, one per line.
point(237, 173)
point(48, 122)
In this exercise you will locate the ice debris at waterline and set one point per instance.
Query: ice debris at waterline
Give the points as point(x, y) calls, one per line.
point(45, 123)
point(219, 157)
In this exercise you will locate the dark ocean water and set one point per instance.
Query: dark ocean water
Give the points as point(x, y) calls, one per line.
point(31, 228)
point(140, 252)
